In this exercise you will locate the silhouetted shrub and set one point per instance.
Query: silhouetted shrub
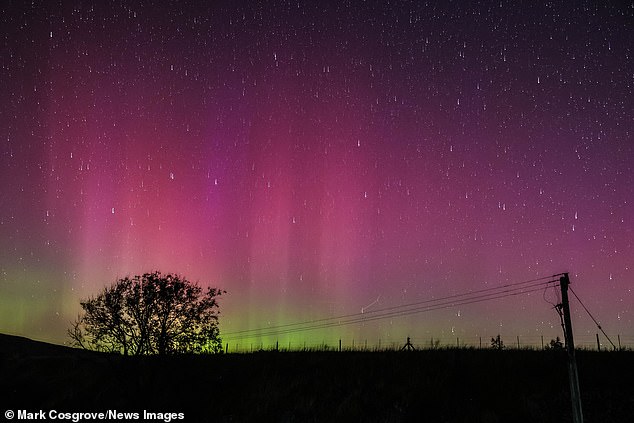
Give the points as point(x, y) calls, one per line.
point(497, 343)
point(555, 344)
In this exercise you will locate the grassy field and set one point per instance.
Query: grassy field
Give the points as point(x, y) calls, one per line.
point(450, 385)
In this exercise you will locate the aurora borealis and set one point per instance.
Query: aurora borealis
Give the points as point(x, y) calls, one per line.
point(318, 158)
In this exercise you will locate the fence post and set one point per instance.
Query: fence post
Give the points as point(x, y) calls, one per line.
point(340, 345)
point(598, 343)
point(518, 342)
point(619, 338)
point(542, 342)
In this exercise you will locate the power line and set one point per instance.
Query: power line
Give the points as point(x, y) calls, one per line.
point(488, 294)
point(403, 310)
point(380, 317)
point(592, 317)
point(388, 308)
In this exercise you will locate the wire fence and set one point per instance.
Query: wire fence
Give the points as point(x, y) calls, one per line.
point(532, 342)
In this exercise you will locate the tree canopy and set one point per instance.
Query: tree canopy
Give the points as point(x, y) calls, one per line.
point(150, 314)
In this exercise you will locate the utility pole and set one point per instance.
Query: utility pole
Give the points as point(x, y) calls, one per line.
point(573, 376)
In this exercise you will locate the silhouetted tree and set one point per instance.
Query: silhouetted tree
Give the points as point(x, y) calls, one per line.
point(497, 343)
point(150, 314)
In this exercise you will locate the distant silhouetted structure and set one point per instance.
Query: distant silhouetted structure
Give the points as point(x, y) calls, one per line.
point(408, 346)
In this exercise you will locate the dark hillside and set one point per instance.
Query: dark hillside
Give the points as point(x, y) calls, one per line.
point(455, 385)
point(11, 345)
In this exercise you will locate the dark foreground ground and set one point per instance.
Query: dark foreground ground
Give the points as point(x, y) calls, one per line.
point(454, 385)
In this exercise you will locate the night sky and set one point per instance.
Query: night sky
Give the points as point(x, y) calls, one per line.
point(315, 159)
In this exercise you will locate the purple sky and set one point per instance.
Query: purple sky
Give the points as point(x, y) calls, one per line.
point(313, 159)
